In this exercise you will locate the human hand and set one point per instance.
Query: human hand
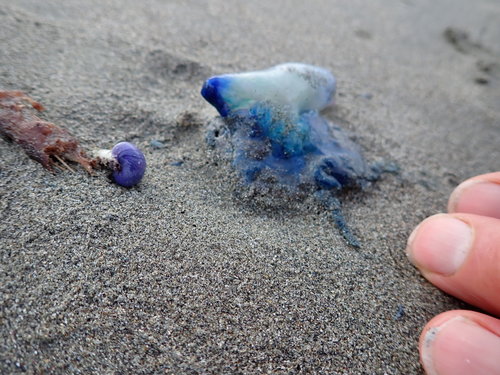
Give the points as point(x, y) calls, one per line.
point(459, 252)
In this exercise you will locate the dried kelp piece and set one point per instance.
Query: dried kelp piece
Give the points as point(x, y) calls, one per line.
point(42, 141)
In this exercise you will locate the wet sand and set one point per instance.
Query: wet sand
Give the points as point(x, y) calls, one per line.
point(181, 275)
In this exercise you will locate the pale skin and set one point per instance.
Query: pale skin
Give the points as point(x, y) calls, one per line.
point(459, 252)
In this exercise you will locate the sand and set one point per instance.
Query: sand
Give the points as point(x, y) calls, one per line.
point(181, 275)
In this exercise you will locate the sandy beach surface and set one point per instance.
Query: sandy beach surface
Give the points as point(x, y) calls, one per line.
point(181, 274)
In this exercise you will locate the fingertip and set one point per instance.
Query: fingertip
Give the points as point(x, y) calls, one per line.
point(461, 342)
point(479, 195)
point(440, 244)
point(457, 193)
point(460, 254)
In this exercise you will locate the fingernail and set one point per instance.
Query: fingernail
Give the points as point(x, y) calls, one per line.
point(440, 244)
point(459, 346)
point(478, 197)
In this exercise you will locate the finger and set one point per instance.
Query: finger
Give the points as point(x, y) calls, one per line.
point(460, 254)
point(461, 342)
point(479, 195)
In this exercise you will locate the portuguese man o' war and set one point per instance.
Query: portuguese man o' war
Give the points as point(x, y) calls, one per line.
point(277, 136)
point(294, 88)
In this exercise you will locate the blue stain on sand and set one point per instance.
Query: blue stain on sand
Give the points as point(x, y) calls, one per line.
point(271, 118)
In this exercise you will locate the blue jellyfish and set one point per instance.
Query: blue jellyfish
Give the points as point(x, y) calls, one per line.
point(277, 135)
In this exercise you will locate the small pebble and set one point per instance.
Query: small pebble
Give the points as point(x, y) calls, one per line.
point(157, 144)
point(400, 313)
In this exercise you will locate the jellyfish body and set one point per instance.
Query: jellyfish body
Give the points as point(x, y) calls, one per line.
point(276, 137)
point(276, 129)
point(292, 87)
